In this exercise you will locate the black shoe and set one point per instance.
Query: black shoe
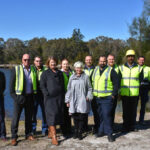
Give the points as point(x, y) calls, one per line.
point(134, 130)
point(142, 123)
point(80, 135)
point(111, 138)
point(99, 135)
point(75, 136)
point(124, 130)
point(94, 131)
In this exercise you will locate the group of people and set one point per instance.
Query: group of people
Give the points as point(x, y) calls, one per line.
point(64, 93)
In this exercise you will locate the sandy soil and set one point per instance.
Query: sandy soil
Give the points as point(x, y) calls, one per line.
point(132, 141)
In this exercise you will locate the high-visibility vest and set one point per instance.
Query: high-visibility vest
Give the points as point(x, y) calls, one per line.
point(146, 72)
point(89, 72)
point(66, 79)
point(39, 72)
point(19, 85)
point(146, 75)
point(116, 68)
point(102, 84)
point(130, 80)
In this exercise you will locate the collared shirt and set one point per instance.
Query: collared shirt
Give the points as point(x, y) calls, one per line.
point(131, 66)
point(28, 80)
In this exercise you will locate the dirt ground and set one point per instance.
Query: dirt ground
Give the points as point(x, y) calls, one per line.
point(132, 141)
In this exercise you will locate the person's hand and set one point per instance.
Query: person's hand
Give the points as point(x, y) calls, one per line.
point(87, 99)
point(113, 97)
point(68, 105)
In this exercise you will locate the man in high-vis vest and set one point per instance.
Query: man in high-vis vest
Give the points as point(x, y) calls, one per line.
point(130, 76)
point(88, 69)
point(111, 63)
point(39, 100)
point(144, 88)
point(23, 87)
point(105, 88)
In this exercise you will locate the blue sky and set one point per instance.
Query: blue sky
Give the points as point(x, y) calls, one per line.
point(25, 19)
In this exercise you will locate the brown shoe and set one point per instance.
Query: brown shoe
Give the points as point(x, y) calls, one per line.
point(14, 142)
point(31, 138)
point(53, 133)
point(49, 133)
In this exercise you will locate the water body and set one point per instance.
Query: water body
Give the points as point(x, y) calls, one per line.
point(9, 101)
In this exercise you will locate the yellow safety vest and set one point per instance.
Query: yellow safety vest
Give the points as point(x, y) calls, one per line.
point(88, 72)
point(130, 80)
point(102, 84)
point(19, 85)
point(39, 72)
point(116, 68)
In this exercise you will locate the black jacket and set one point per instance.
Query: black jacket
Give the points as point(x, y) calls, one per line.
point(52, 86)
point(2, 83)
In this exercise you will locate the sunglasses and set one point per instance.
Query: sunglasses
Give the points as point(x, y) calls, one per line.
point(38, 61)
point(26, 59)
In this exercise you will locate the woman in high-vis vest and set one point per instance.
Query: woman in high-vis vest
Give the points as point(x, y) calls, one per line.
point(78, 97)
point(66, 127)
point(52, 86)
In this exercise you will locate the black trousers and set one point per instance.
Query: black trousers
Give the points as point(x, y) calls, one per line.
point(95, 114)
point(28, 106)
point(66, 126)
point(114, 109)
point(129, 105)
point(2, 118)
point(79, 119)
point(144, 99)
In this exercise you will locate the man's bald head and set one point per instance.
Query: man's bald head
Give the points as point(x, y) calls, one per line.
point(26, 60)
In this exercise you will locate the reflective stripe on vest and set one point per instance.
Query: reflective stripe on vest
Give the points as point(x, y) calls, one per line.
point(66, 79)
point(20, 79)
point(130, 80)
point(102, 84)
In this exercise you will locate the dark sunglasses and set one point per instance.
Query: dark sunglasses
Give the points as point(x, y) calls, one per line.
point(26, 59)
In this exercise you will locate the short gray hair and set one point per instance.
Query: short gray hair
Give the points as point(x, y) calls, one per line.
point(78, 64)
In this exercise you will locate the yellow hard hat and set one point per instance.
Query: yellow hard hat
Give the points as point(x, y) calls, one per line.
point(130, 52)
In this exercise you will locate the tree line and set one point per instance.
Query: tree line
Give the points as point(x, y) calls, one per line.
point(75, 48)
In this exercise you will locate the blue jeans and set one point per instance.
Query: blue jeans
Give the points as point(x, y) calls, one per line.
point(39, 101)
point(2, 117)
point(104, 110)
